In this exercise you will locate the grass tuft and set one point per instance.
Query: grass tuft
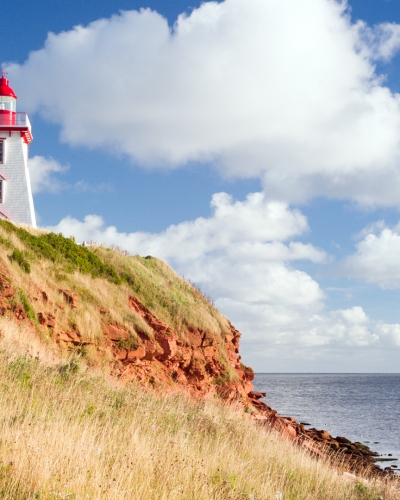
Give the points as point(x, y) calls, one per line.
point(27, 306)
point(18, 257)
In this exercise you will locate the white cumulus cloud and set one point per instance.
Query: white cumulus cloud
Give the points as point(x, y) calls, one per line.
point(381, 41)
point(42, 170)
point(277, 89)
point(377, 256)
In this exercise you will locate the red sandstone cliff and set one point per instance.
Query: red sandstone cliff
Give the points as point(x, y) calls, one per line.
point(163, 359)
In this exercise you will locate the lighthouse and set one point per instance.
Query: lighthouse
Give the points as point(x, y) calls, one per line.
point(16, 202)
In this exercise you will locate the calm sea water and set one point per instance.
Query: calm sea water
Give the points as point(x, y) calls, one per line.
point(361, 407)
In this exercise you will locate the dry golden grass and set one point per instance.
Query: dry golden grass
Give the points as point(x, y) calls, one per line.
point(166, 294)
point(67, 432)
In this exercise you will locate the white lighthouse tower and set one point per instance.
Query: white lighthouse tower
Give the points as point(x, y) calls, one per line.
point(16, 202)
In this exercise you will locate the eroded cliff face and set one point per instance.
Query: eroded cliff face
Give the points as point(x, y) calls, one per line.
point(196, 361)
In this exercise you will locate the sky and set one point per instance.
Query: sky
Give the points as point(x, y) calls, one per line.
point(254, 145)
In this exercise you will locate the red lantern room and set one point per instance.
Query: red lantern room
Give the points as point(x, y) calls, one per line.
point(8, 102)
point(18, 122)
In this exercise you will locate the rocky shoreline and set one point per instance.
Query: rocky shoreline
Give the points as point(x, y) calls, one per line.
point(355, 457)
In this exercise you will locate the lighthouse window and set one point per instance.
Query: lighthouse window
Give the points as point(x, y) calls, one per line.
point(8, 103)
point(1, 190)
point(1, 151)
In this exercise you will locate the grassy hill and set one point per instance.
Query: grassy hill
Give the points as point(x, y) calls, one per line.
point(100, 357)
point(114, 310)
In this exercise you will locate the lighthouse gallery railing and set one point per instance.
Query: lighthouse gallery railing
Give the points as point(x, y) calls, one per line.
point(15, 120)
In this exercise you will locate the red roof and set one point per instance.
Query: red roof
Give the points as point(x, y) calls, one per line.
point(5, 89)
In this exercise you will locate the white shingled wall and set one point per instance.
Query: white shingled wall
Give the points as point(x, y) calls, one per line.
point(17, 197)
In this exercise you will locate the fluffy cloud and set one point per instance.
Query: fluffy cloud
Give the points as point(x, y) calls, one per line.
point(284, 338)
point(253, 230)
point(381, 41)
point(292, 99)
point(245, 255)
point(283, 326)
point(377, 256)
point(390, 333)
point(43, 178)
point(42, 172)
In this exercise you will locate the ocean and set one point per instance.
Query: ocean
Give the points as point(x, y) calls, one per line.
point(361, 407)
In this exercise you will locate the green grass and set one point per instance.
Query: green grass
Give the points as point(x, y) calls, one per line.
point(26, 305)
point(61, 250)
point(18, 257)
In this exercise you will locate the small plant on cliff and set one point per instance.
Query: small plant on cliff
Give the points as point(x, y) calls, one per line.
point(18, 257)
point(202, 295)
point(70, 368)
point(223, 379)
point(23, 299)
point(130, 344)
point(5, 243)
point(363, 491)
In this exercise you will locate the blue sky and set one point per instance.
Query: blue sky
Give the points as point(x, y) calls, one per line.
point(289, 108)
